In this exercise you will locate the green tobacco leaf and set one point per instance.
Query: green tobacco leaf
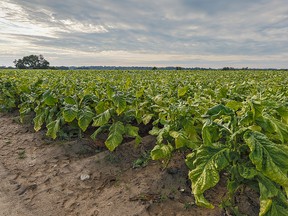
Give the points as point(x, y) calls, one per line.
point(272, 200)
point(70, 100)
point(210, 133)
point(138, 140)
point(100, 107)
point(223, 92)
point(85, 117)
point(181, 140)
point(234, 105)
point(207, 164)
point(158, 99)
point(120, 102)
point(110, 91)
point(131, 130)
point(265, 124)
point(267, 188)
point(53, 128)
point(140, 93)
point(115, 137)
point(69, 113)
point(155, 131)
point(256, 109)
point(161, 151)
point(283, 112)
point(265, 206)
point(268, 157)
point(100, 130)
point(147, 118)
point(276, 209)
point(255, 128)
point(39, 120)
point(247, 172)
point(160, 133)
point(182, 91)
point(24, 110)
point(219, 110)
point(281, 129)
point(49, 99)
point(190, 130)
point(102, 118)
point(190, 160)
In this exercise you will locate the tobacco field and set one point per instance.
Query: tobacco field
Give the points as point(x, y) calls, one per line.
point(225, 122)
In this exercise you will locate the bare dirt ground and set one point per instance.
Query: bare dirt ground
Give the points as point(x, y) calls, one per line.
point(40, 177)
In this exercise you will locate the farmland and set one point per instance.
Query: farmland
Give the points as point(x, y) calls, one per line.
point(232, 123)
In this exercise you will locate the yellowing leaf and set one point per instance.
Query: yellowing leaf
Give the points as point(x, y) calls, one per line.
point(182, 91)
point(115, 136)
point(53, 128)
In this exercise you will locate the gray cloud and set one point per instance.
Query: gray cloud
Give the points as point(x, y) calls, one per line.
point(211, 33)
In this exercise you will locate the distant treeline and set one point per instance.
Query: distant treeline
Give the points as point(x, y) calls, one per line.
point(144, 68)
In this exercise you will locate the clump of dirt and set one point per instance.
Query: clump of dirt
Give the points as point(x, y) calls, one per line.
point(40, 177)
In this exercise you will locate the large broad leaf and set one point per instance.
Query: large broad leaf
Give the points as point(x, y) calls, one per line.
point(70, 100)
point(39, 120)
point(132, 131)
point(211, 130)
point(110, 91)
point(281, 129)
point(283, 112)
point(85, 116)
point(49, 98)
point(160, 133)
point(268, 157)
point(234, 105)
point(147, 118)
point(120, 102)
point(276, 209)
point(268, 191)
point(182, 91)
point(115, 137)
point(140, 93)
point(99, 130)
point(190, 130)
point(53, 128)
point(181, 140)
point(246, 171)
point(265, 124)
point(69, 113)
point(272, 200)
point(256, 109)
point(210, 133)
point(102, 118)
point(101, 107)
point(161, 151)
point(207, 163)
point(219, 110)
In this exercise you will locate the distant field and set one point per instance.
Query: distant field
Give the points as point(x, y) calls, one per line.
point(225, 121)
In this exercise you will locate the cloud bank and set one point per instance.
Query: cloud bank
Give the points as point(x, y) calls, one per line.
point(187, 33)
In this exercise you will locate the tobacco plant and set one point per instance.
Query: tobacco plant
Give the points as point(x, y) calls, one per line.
point(250, 146)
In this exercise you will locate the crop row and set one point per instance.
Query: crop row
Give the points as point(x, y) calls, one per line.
point(234, 122)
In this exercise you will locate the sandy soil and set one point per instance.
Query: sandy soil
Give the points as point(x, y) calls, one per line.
point(44, 177)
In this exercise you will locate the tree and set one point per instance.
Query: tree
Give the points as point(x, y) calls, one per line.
point(32, 62)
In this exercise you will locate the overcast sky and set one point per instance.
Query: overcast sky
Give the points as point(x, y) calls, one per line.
point(188, 33)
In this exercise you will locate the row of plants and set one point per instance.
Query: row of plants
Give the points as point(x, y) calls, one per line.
point(228, 121)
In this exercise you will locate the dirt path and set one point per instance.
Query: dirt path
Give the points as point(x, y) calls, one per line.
point(40, 177)
point(9, 206)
